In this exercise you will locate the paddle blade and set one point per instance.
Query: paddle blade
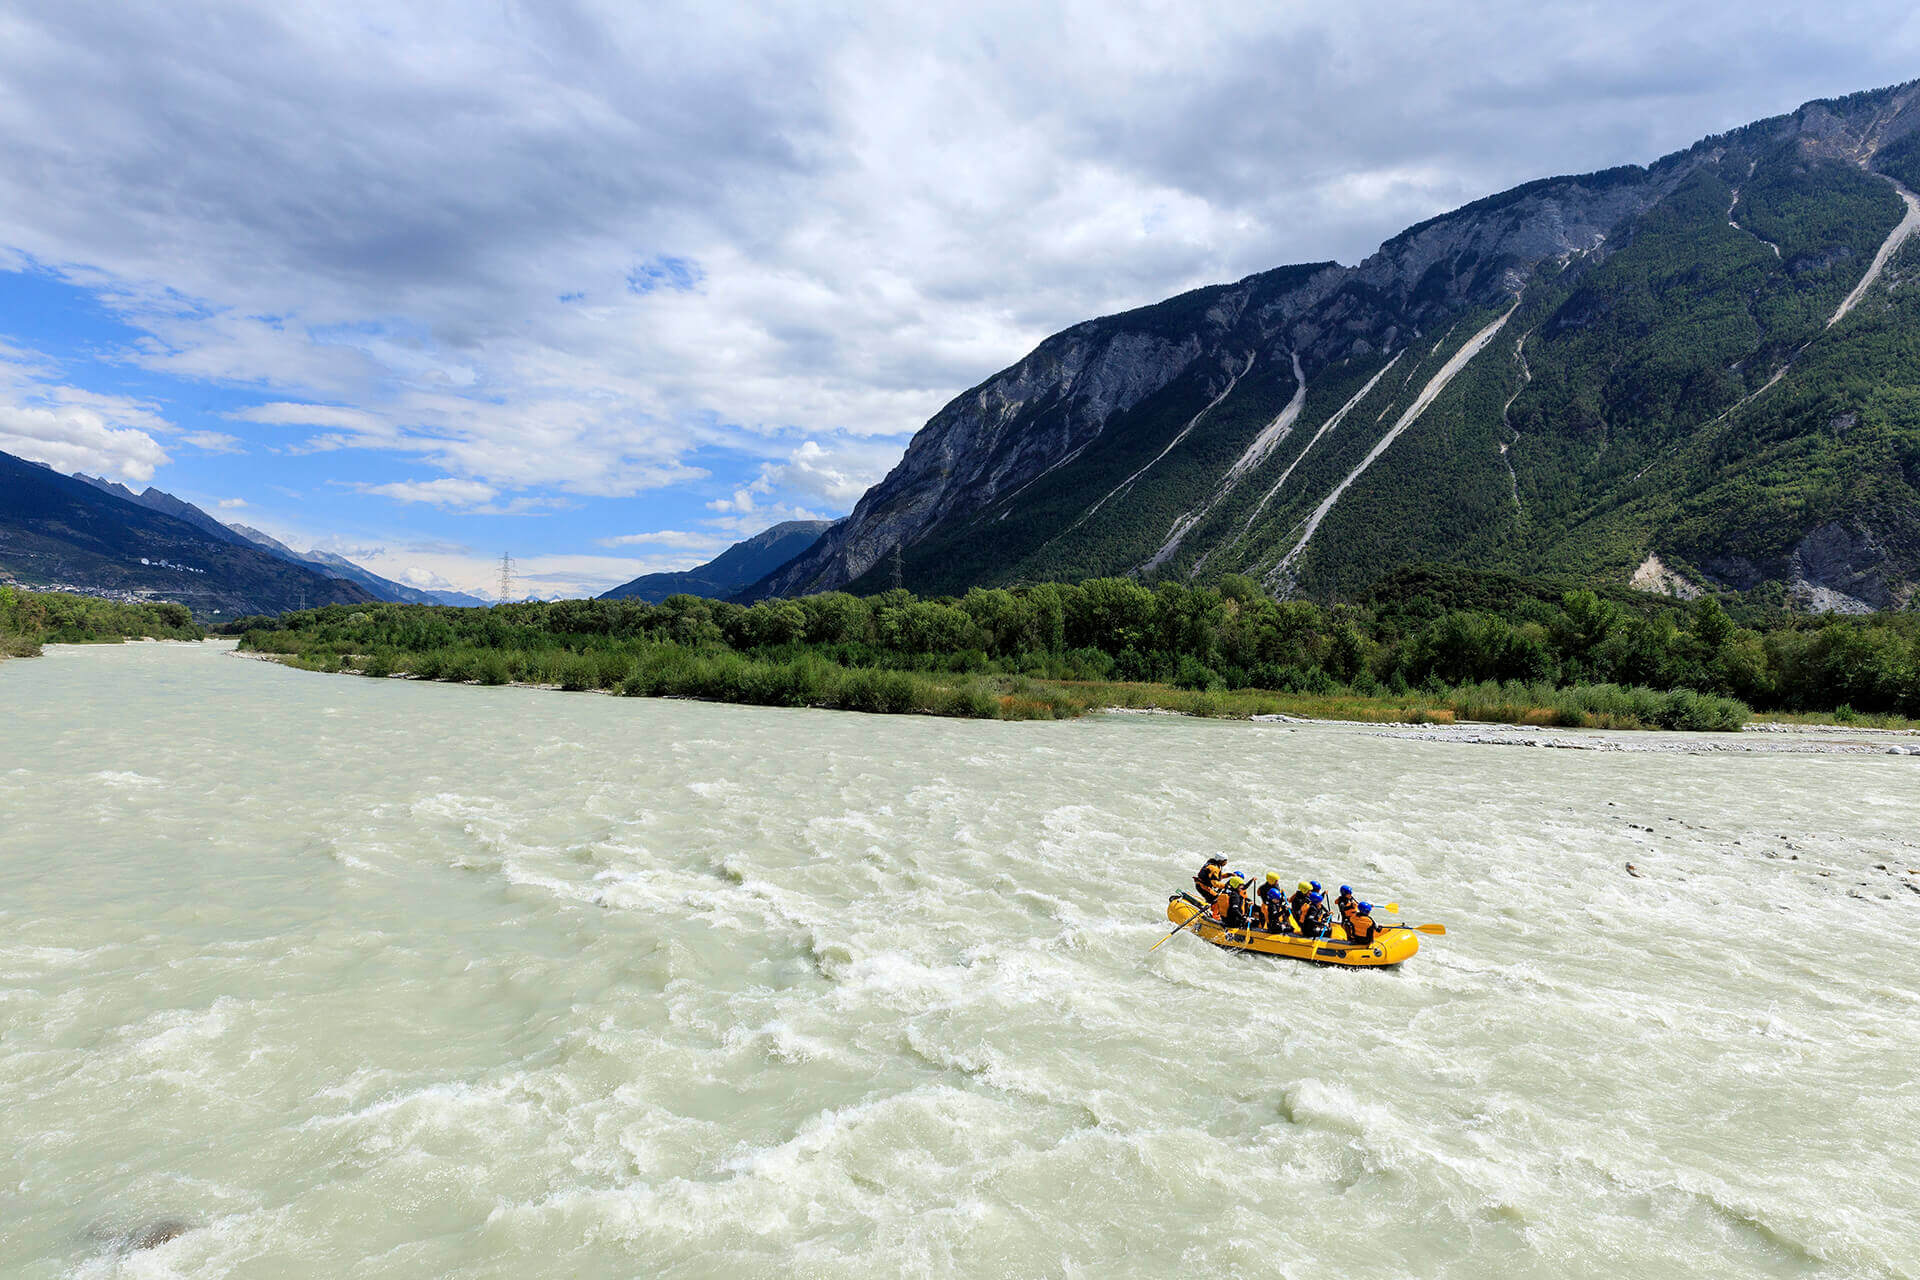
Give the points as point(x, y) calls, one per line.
point(1438, 930)
point(1183, 925)
point(1393, 907)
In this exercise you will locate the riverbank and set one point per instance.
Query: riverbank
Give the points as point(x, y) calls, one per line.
point(1465, 647)
point(30, 620)
point(809, 681)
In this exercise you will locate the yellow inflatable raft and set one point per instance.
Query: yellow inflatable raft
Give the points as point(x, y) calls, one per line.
point(1390, 946)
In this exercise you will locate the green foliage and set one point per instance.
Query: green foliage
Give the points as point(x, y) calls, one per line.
point(30, 619)
point(1483, 645)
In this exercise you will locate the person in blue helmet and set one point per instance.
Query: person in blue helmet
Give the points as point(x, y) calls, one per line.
point(1313, 921)
point(1273, 906)
point(1297, 903)
point(1359, 922)
point(1346, 900)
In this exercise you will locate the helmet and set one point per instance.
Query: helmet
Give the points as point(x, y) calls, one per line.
point(1316, 886)
point(1305, 887)
point(1273, 877)
point(1317, 898)
point(1235, 882)
point(1366, 908)
point(1216, 862)
point(1346, 890)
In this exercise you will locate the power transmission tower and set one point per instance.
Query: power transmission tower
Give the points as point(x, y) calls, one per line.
point(506, 577)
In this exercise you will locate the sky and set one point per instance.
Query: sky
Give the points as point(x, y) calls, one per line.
point(610, 286)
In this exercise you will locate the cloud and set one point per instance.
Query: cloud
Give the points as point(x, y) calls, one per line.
point(441, 493)
point(71, 439)
point(285, 414)
point(837, 476)
point(582, 249)
point(425, 579)
point(232, 504)
point(740, 502)
point(72, 428)
point(680, 538)
point(213, 442)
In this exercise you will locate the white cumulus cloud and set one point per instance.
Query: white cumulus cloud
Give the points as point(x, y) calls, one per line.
point(68, 438)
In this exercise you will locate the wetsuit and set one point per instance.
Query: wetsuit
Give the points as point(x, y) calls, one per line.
point(1297, 904)
point(1360, 928)
point(1276, 904)
point(1210, 880)
point(1314, 922)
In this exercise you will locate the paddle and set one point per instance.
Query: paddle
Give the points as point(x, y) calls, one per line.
point(1437, 930)
point(1187, 923)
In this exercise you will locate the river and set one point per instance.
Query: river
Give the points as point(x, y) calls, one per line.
point(308, 975)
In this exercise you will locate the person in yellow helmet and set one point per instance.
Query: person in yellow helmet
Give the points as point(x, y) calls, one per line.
point(1273, 906)
point(1231, 905)
point(1297, 904)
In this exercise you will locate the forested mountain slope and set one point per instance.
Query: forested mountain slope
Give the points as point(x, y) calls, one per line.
point(1705, 372)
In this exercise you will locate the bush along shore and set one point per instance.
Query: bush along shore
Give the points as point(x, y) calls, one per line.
point(1427, 645)
point(30, 619)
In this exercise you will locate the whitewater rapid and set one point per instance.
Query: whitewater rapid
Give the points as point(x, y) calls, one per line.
point(323, 976)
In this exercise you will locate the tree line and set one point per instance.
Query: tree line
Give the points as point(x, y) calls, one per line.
point(1434, 631)
point(30, 619)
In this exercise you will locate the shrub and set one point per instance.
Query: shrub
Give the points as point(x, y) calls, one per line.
point(1195, 674)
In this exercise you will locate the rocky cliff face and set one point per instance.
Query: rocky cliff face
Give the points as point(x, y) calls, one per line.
point(1496, 385)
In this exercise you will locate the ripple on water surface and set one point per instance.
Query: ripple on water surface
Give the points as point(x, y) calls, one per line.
point(310, 976)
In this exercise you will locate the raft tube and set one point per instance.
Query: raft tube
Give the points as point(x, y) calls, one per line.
point(1391, 945)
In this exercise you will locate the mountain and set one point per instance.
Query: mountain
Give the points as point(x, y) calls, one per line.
point(58, 531)
point(739, 566)
point(1703, 373)
point(387, 588)
point(335, 566)
point(263, 539)
point(166, 504)
point(326, 562)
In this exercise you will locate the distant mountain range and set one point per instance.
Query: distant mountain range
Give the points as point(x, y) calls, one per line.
point(1695, 375)
point(325, 561)
point(733, 570)
point(57, 531)
point(89, 534)
point(341, 567)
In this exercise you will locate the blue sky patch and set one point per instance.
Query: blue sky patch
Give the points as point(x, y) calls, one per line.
point(681, 275)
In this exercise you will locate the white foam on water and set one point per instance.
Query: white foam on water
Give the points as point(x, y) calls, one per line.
point(575, 990)
point(125, 778)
